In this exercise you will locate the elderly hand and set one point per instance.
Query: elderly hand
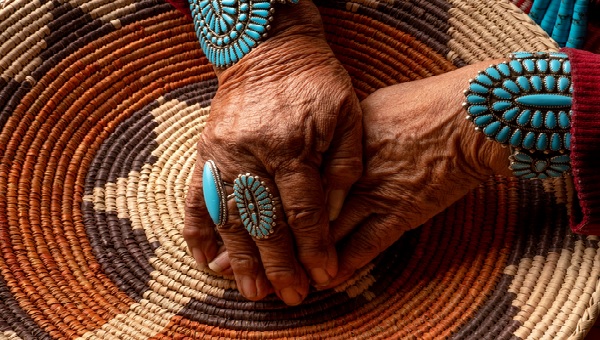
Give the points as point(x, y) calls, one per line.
point(421, 156)
point(287, 113)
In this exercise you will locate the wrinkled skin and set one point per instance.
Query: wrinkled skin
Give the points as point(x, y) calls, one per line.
point(287, 113)
point(422, 155)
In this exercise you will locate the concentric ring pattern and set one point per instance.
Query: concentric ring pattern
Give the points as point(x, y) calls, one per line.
point(101, 103)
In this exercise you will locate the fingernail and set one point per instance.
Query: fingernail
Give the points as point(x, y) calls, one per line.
point(199, 256)
point(220, 263)
point(335, 203)
point(320, 276)
point(248, 287)
point(290, 296)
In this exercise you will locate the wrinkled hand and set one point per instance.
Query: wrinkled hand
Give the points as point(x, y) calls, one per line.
point(422, 155)
point(287, 113)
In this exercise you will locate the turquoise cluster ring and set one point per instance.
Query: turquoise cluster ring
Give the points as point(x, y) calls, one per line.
point(254, 201)
point(525, 104)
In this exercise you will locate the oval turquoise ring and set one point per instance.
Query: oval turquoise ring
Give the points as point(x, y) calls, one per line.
point(214, 193)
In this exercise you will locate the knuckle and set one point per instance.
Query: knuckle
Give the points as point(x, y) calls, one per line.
point(244, 263)
point(306, 219)
point(190, 232)
point(280, 276)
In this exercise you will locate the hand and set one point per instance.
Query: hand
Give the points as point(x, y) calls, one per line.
point(422, 155)
point(287, 113)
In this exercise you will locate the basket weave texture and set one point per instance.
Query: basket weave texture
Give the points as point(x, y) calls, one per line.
point(101, 105)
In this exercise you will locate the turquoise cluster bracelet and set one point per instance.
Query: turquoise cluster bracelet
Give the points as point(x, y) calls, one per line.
point(526, 104)
point(229, 29)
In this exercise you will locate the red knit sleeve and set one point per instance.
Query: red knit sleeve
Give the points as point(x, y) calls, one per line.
point(585, 139)
point(182, 5)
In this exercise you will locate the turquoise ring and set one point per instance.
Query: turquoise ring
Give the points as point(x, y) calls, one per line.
point(255, 204)
point(215, 197)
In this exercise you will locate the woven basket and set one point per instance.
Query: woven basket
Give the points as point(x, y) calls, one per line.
point(101, 104)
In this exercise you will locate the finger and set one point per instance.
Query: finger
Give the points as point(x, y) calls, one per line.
point(198, 230)
point(278, 267)
point(343, 163)
point(242, 256)
point(303, 201)
point(374, 236)
point(354, 212)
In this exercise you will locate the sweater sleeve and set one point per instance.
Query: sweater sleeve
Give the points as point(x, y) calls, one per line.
point(182, 5)
point(585, 140)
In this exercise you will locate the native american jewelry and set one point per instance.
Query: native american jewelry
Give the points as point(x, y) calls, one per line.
point(256, 205)
point(230, 29)
point(526, 104)
point(215, 197)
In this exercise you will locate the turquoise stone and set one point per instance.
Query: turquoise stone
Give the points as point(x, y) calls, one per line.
point(541, 165)
point(521, 55)
point(529, 65)
point(228, 19)
point(228, 2)
point(475, 99)
point(254, 185)
point(563, 84)
point(559, 55)
point(226, 40)
point(524, 173)
point(501, 106)
point(254, 218)
point(536, 82)
point(477, 88)
point(524, 83)
point(552, 173)
point(537, 119)
point(555, 143)
point(259, 190)
point(503, 135)
point(543, 99)
point(492, 72)
point(561, 159)
point(555, 65)
point(529, 140)
point(551, 120)
point(229, 10)
point(262, 196)
point(244, 7)
point(515, 139)
point(504, 69)
point(261, 5)
point(476, 110)
point(567, 67)
point(523, 157)
point(511, 86)
point(237, 50)
point(568, 141)
point(222, 25)
point(542, 176)
point(259, 12)
point(542, 65)
point(239, 27)
point(516, 66)
point(520, 166)
point(563, 120)
point(529, 176)
point(492, 129)
point(502, 93)
point(542, 142)
point(524, 117)
point(511, 114)
point(483, 120)
point(251, 34)
point(259, 20)
point(560, 168)
point(483, 79)
point(244, 47)
point(211, 194)
point(550, 82)
point(257, 28)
